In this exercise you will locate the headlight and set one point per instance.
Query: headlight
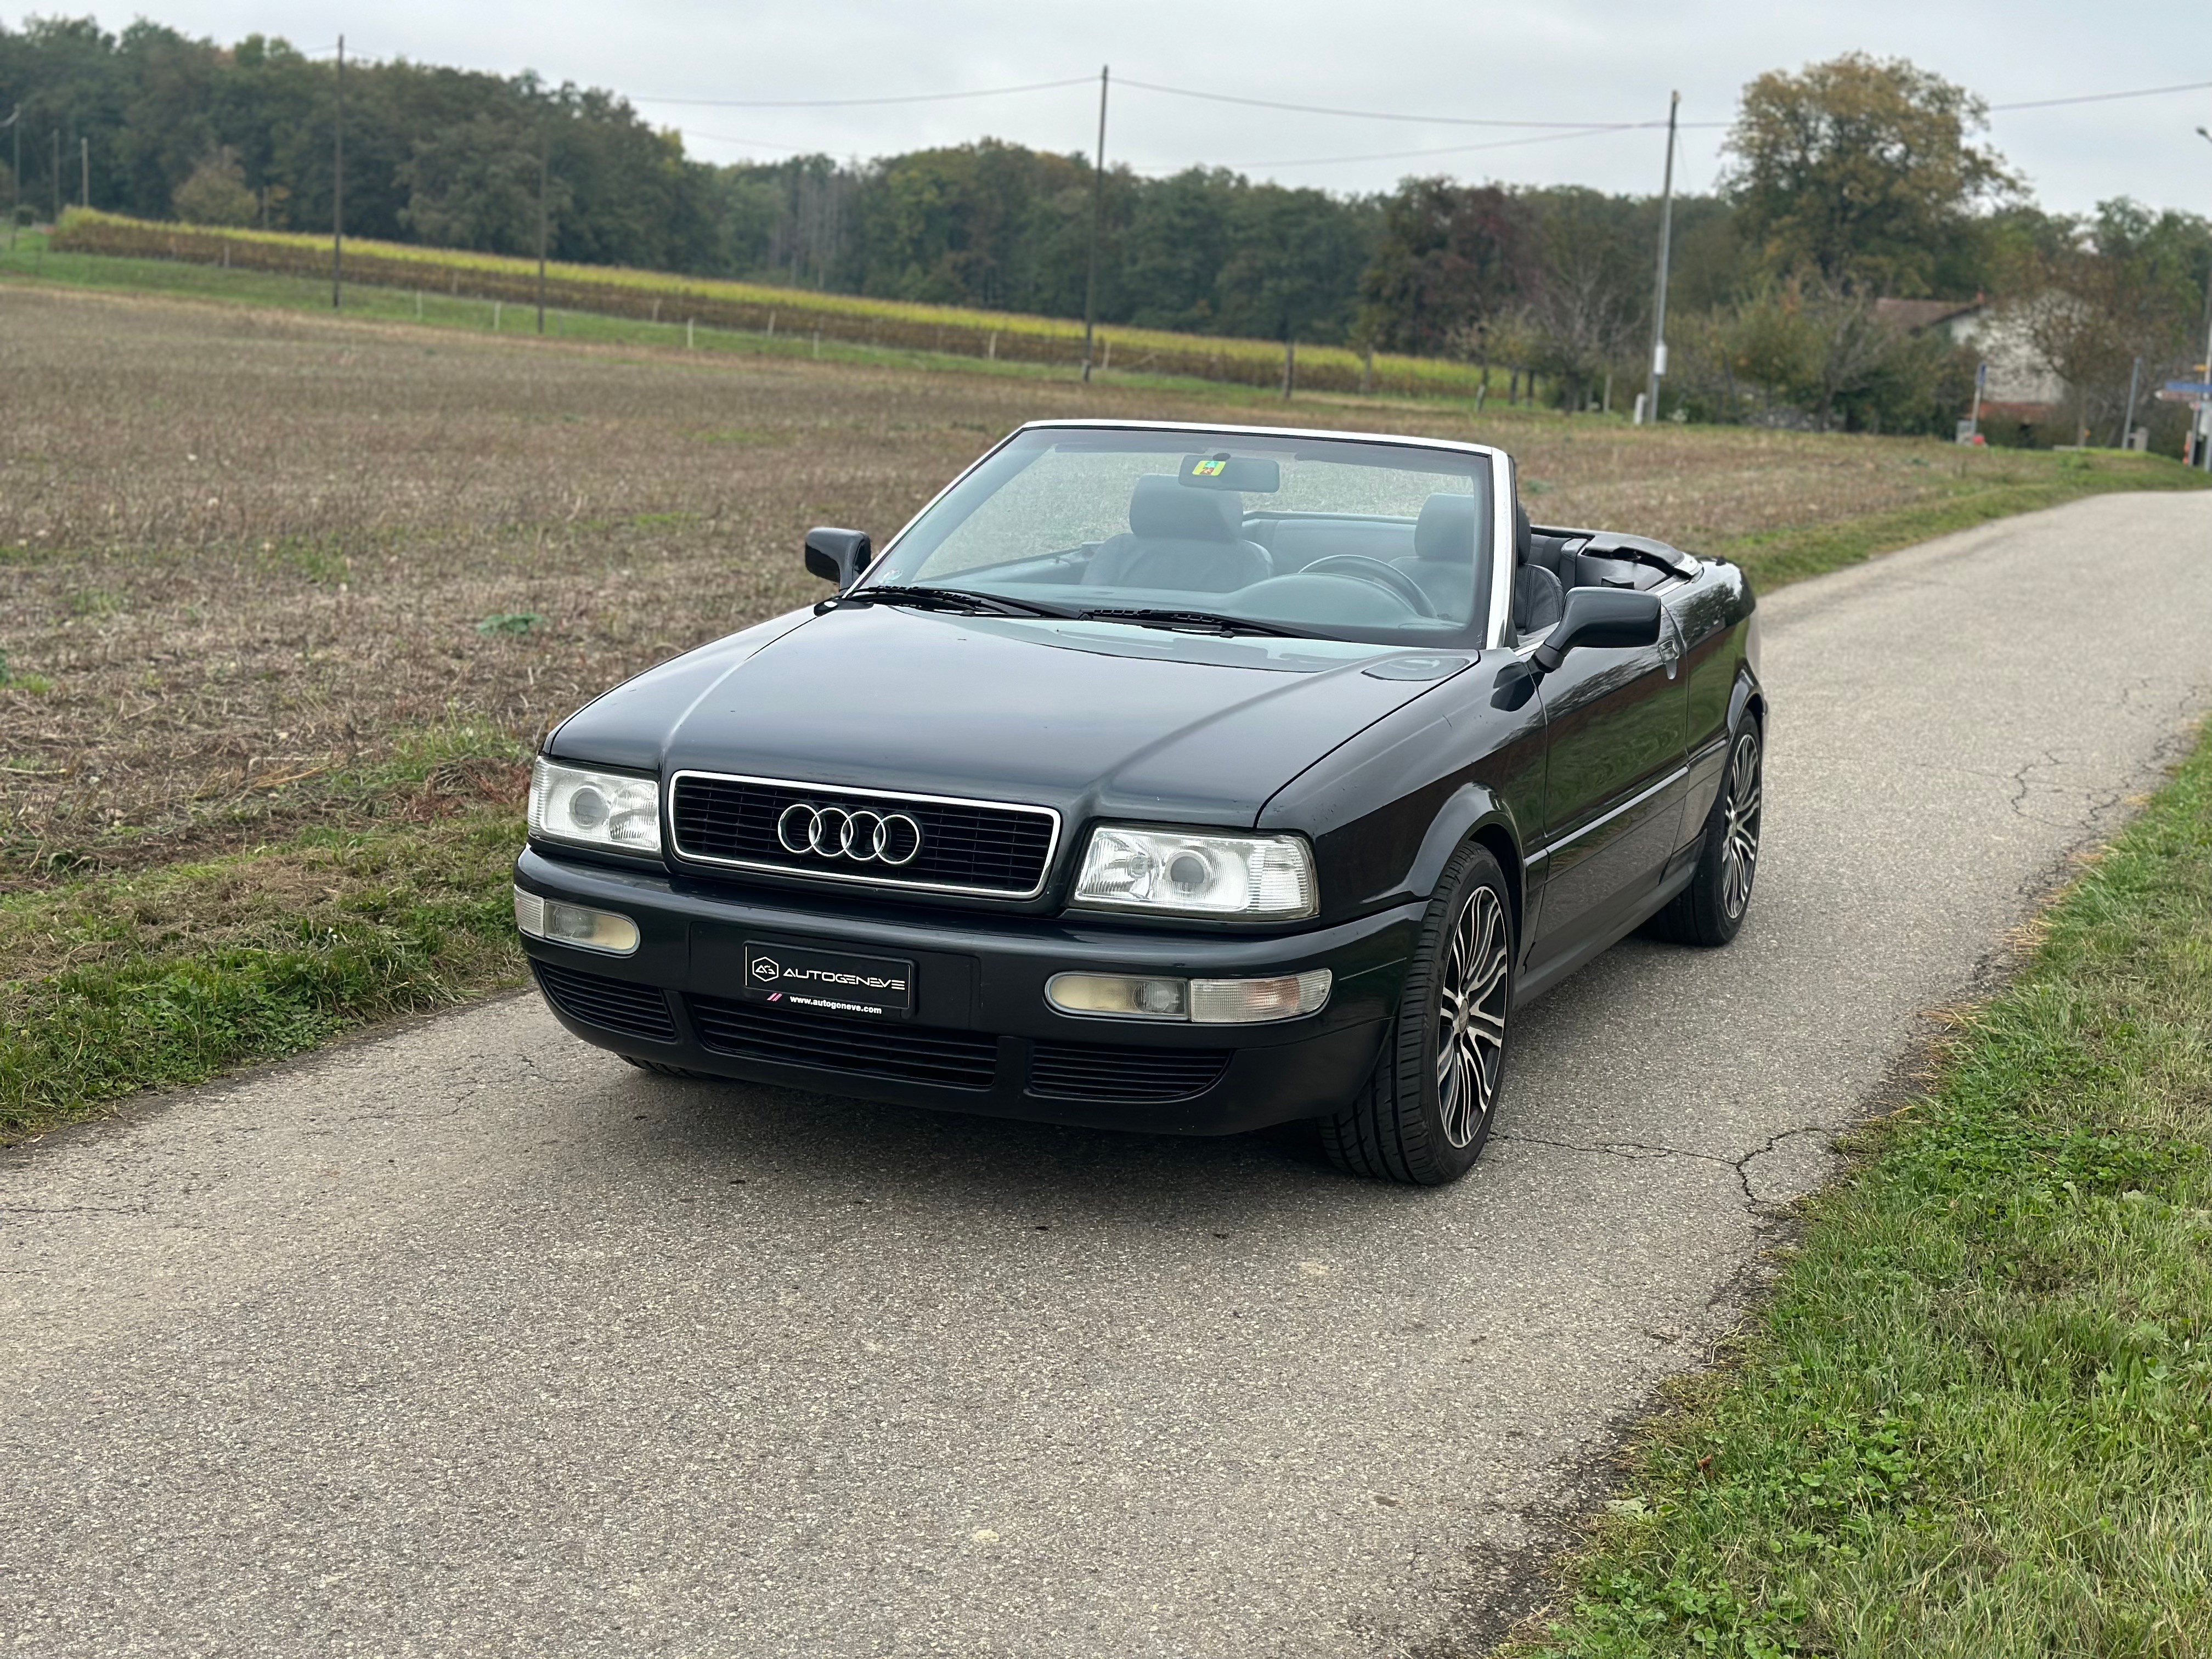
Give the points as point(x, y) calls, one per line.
point(1255, 877)
point(594, 809)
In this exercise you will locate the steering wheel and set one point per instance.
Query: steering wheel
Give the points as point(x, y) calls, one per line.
point(1374, 570)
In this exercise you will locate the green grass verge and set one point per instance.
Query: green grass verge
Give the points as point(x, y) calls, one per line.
point(1778, 557)
point(1974, 1419)
point(173, 976)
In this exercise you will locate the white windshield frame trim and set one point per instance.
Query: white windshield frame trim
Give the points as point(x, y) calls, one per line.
point(1504, 547)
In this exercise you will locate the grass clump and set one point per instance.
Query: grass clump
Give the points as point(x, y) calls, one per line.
point(177, 974)
point(1976, 1417)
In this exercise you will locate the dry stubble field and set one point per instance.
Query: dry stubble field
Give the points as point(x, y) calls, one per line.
point(284, 601)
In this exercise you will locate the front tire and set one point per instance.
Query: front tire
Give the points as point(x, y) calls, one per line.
point(1711, 910)
point(1426, 1111)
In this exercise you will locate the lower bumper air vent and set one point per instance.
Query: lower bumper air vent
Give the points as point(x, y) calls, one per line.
point(1067, 1071)
point(865, 1048)
point(612, 1004)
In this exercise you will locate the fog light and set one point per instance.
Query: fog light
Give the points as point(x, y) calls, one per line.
point(1253, 1001)
point(1119, 996)
point(572, 924)
point(1202, 1001)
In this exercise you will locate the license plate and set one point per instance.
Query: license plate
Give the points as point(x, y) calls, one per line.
point(829, 982)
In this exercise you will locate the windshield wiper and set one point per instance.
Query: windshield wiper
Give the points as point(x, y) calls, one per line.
point(1208, 620)
point(951, 598)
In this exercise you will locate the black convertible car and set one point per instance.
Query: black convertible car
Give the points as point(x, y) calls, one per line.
point(1173, 778)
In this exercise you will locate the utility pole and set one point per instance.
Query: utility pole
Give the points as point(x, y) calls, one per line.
point(338, 191)
point(2204, 443)
point(544, 177)
point(2128, 420)
point(1097, 226)
point(1666, 248)
point(84, 162)
point(14, 123)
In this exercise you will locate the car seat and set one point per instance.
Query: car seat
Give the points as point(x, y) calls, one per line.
point(1443, 565)
point(1539, 595)
point(1179, 537)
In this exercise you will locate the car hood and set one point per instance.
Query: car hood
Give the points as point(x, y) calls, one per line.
point(1097, 720)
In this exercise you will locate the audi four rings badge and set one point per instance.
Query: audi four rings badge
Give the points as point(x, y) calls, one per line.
point(829, 832)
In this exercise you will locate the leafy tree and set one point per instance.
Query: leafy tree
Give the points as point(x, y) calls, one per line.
point(1174, 248)
point(215, 193)
point(1587, 303)
point(475, 185)
point(1860, 171)
point(1820, 353)
point(2127, 285)
point(1293, 265)
point(1449, 260)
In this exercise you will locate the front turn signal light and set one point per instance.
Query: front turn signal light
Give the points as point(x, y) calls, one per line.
point(543, 918)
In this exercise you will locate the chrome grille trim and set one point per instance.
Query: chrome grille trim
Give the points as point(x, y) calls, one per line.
point(806, 872)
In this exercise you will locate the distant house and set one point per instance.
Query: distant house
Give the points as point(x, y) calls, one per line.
point(2021, 386)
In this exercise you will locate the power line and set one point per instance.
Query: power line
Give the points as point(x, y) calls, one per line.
point(1381, 115)
point(2103, 97)
point(1404, 154)
point(752, 143)
point(855, 103)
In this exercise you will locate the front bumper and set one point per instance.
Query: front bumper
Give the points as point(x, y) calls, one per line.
point(981, 1037)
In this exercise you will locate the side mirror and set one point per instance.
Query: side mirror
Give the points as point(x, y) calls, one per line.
point(838, 555)
point(1608, 616)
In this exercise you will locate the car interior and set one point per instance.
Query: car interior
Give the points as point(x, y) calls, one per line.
point(1348, 569)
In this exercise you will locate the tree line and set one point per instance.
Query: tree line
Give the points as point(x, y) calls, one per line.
point(1846, 183)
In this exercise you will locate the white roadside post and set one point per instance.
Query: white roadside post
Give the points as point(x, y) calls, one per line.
point(1970, 429)
point(1649, 403)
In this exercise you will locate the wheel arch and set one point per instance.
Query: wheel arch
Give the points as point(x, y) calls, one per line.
point(1473, 813)
point(1748, 697)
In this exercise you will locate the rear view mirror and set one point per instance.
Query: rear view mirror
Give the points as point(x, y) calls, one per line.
point(1610, 617)
point(837, 555)
point(1254, 474)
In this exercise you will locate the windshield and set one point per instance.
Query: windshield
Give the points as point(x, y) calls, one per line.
point(1330, 536)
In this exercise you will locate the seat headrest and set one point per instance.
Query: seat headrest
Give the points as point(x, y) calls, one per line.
point(1164, 508)
point(1445, 530)
point(1523, 537)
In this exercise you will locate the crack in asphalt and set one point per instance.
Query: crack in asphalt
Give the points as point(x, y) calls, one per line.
point(1638, 1149)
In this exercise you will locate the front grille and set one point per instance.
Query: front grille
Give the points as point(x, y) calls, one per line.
point(866, 1048)
point(1000, 851)
point(1068, 1071)
point(614, 1005)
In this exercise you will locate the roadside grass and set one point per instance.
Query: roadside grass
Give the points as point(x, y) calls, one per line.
point(1973, 1419)
point(172, 976)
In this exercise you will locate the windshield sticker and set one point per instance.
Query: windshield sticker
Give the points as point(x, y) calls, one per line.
point(1212, 467)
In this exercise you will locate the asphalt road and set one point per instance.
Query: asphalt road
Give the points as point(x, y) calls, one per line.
point(471, 1339)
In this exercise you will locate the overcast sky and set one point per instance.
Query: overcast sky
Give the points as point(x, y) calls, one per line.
point(1538, 60)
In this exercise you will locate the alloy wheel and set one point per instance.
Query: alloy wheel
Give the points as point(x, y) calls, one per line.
point(1471, 1017)
point(1740, 826)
